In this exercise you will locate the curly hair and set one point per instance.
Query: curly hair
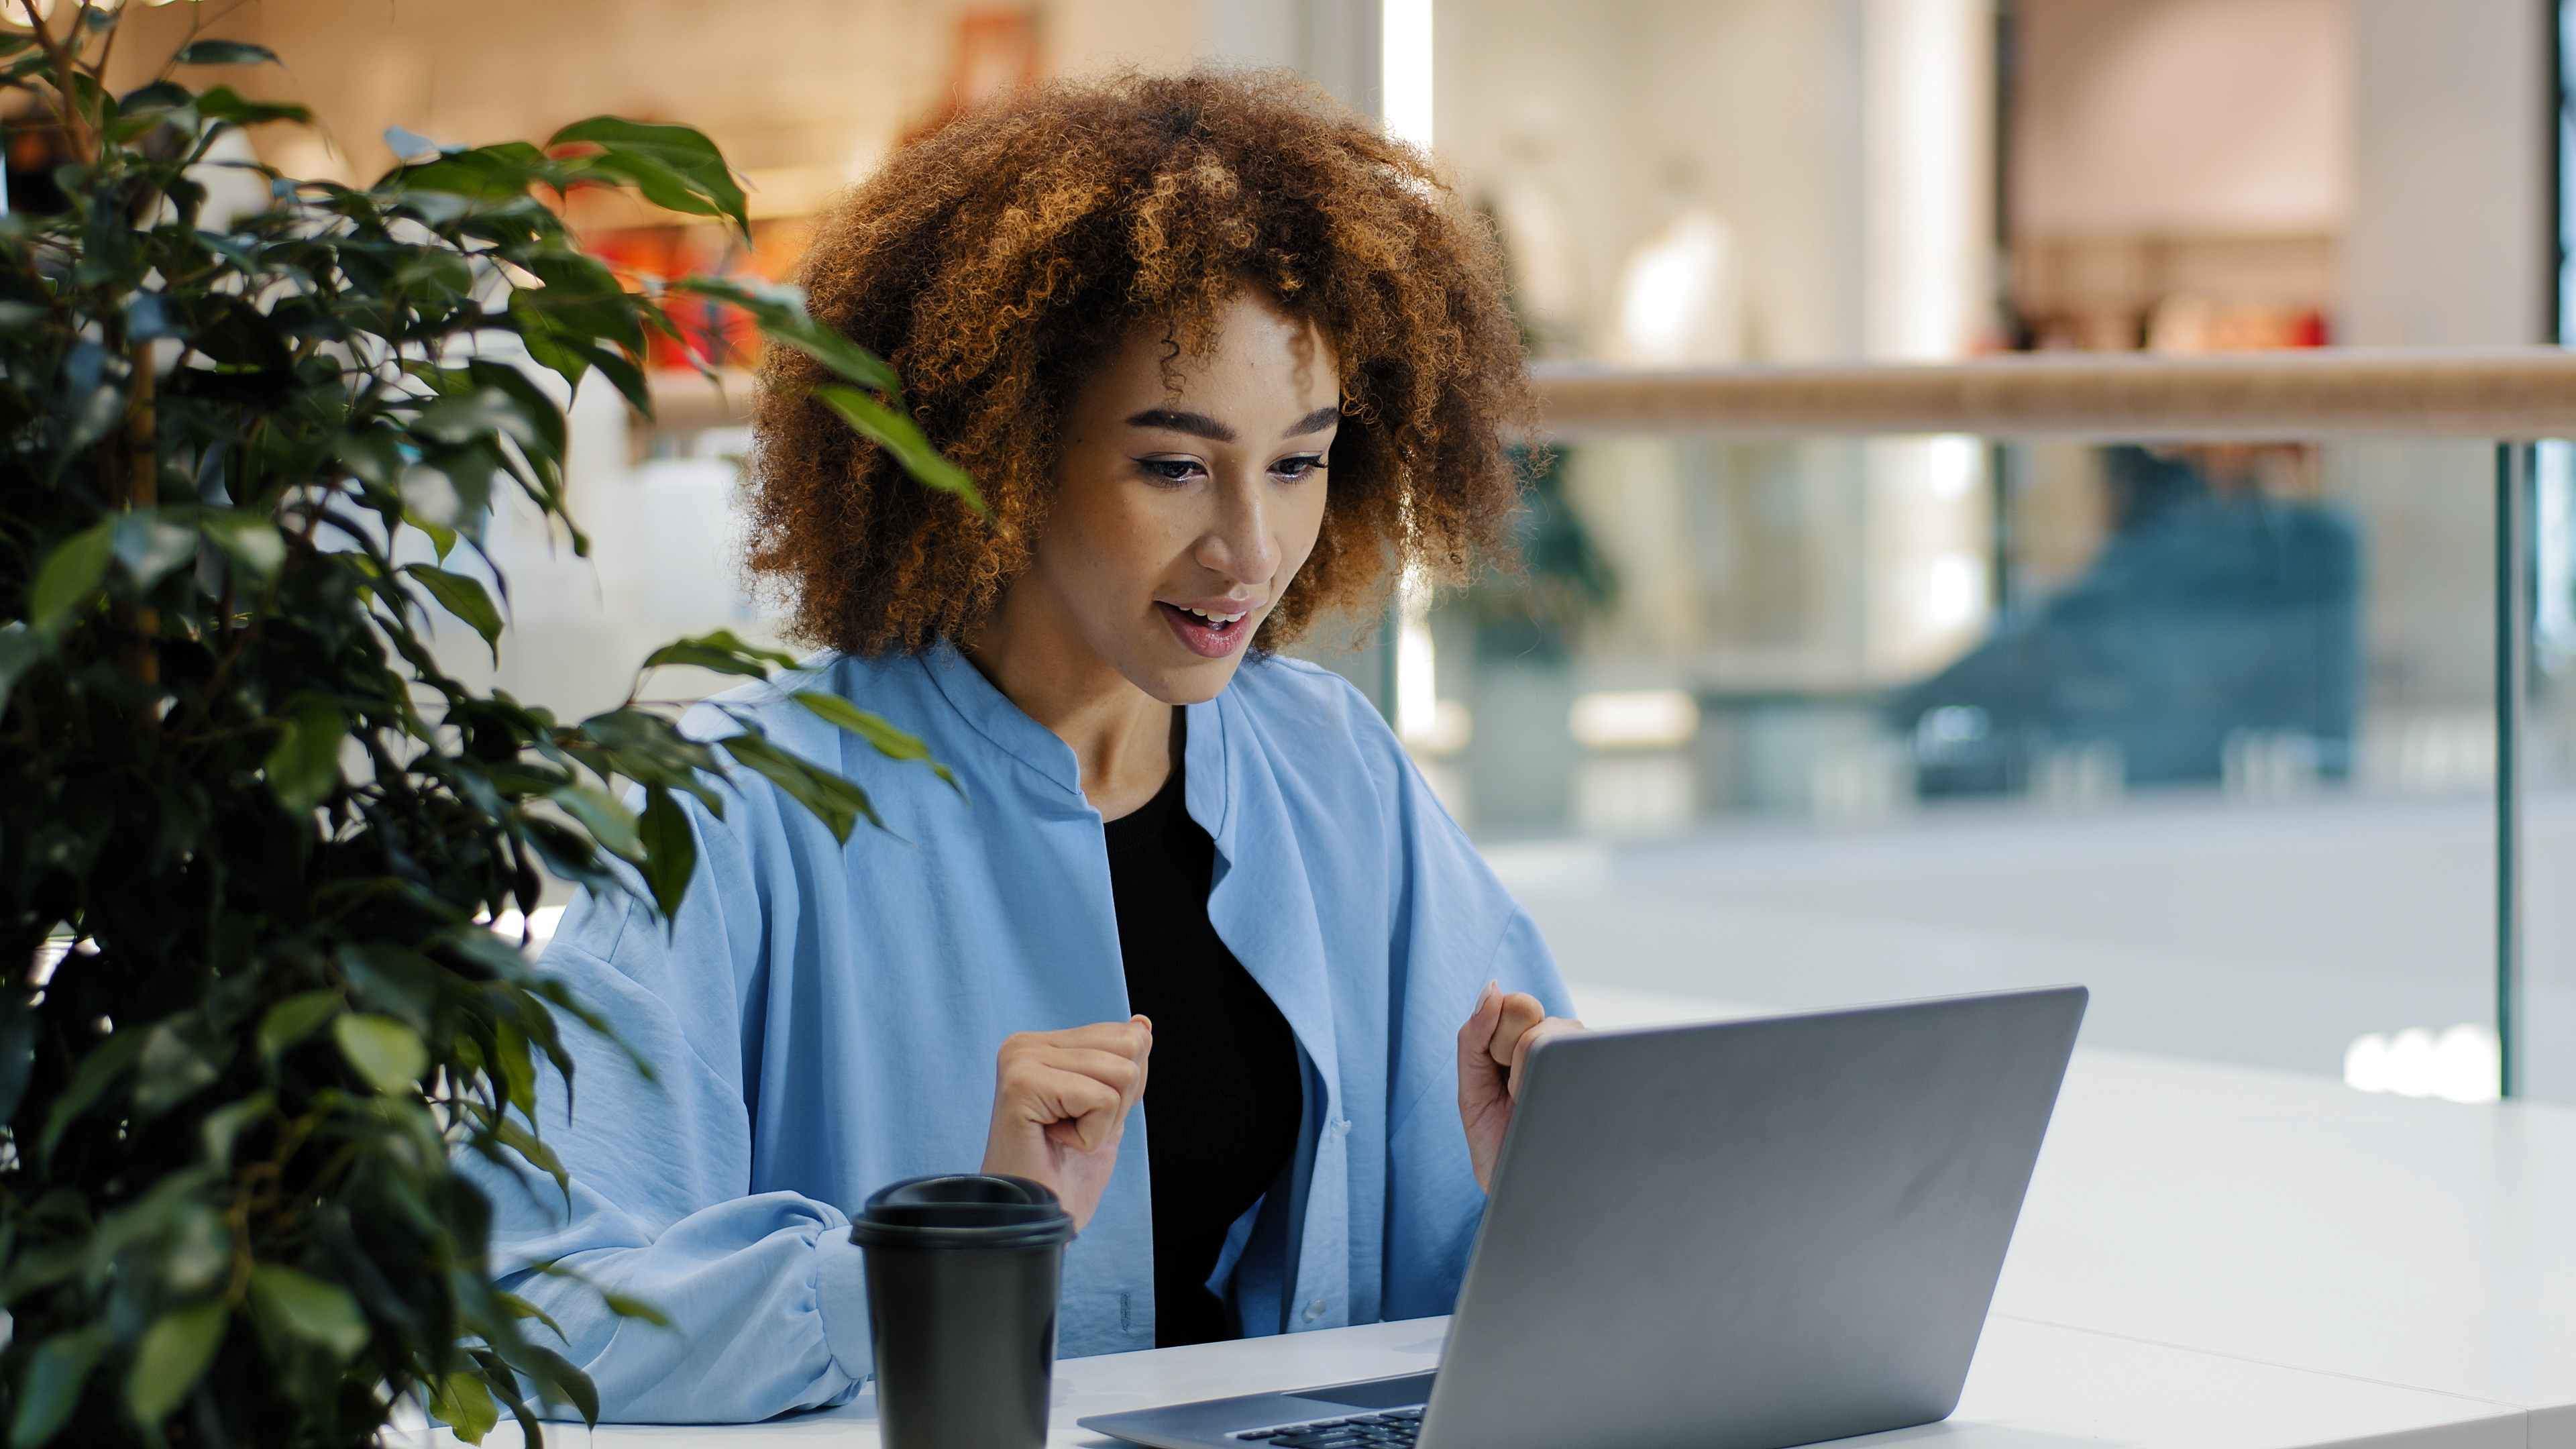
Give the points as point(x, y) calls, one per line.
point(994, 260)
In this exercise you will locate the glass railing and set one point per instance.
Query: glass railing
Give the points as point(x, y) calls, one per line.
point(2181, 678)
point(2177, 677)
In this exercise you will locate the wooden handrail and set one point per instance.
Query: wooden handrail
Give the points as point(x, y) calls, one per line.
point(2494, 393)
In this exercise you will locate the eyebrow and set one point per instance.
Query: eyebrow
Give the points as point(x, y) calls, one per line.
point(1316, 421)
point(1197, 425)
point(1200, 425)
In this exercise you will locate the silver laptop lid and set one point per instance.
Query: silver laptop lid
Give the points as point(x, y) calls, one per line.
point(1752, 1233)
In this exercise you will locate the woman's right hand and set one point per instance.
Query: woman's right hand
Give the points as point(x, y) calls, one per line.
point(1060, 1102)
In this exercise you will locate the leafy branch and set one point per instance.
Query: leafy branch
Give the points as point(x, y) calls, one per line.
point(251, 828)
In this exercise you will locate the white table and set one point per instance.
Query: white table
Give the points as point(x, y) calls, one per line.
point(2211, 1258)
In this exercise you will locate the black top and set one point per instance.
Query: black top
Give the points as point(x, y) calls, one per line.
point(1222, 1100)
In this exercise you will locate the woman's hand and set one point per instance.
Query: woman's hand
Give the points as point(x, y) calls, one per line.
point(1492, 1047)
point(1060, 1101)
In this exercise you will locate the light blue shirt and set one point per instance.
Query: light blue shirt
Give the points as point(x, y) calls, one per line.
point(823, 1020)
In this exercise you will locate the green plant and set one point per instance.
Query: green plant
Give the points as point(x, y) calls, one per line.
point(248, 824)
point(1534, 616)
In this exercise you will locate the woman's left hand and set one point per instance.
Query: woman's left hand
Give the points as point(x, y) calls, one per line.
point(1492, 1047)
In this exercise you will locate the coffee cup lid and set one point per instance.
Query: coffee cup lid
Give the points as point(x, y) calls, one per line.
point(964, 1210)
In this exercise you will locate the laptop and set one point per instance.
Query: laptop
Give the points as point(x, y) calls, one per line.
point(1743, 1235)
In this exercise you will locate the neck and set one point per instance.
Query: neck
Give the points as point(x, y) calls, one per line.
point(1122, 737)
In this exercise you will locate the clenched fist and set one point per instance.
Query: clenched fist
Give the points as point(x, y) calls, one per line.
point(1492, 1048)
point(1060, 1102)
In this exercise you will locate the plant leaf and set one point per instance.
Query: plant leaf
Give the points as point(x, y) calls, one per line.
point(20, 649)
point(223, 1126)
point(541, 429)
point(410, 145)
point(294, 1019)
point(670, 849)
point(249, 540)
point(515, 1067)
point(521, 1308)
point(105, 1063)
point(147, 314)
point(625, 1307)
point(224, 52)
point(890, 742)
point(71, 573)
point(372, 454)
point(555, 1375)
point(396, 980)
point(172, 1357)
point(168, 1070)
point(722, 653)
point(462, 1403)
point(150, 545)
point(223, 103)
point(92, 403)
point(385, 1052)
point(52, 1387)
point(897, 435)
point(838, 803)
point(463, 597)
point(779, 309)
point(198, 1251)
point(687, 172)
point(298, 1305)
point(17, 1049)
point(528, 1145)
point(486, 412)
point(604, 815)
point(304, 768)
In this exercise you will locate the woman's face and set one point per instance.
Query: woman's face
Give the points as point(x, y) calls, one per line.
point(1188, 493)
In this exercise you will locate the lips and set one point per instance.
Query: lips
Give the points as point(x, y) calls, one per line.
point(1209, 633)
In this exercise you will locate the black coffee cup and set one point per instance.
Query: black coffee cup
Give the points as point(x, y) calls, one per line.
point(962, 1281)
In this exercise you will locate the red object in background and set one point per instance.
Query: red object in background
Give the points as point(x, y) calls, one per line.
point(997, 48)
point(711, 333)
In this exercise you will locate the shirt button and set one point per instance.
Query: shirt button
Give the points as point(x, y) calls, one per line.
point(1314, 1310)
point(1341, 1129)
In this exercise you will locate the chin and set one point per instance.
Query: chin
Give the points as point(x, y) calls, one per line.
point(1193, 683)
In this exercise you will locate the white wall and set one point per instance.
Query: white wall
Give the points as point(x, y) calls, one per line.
point(1632, 109)
point(2450, 240)
point(2183, 118)
point(1155, 35)
point(1335, 42)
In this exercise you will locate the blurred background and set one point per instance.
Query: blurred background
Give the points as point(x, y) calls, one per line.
point(2210, 728)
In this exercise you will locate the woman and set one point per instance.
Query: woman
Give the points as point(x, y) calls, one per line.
point(1220, 356)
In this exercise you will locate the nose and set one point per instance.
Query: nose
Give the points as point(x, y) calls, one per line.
point(1238, 542)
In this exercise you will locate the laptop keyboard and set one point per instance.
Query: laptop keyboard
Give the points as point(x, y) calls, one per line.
point(1394, 1429)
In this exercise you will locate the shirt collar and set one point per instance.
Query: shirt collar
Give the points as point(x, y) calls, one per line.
point(1203, 787)
point(990, 713)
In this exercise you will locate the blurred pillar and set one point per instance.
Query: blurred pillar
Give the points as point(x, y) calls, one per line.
point(1928, 174)
point(1928, 169)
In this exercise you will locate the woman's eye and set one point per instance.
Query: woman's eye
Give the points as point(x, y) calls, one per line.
point(1171, 470)
point(1302, 466)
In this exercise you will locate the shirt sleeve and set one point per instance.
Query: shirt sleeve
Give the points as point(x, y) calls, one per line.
point(764, 1293)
